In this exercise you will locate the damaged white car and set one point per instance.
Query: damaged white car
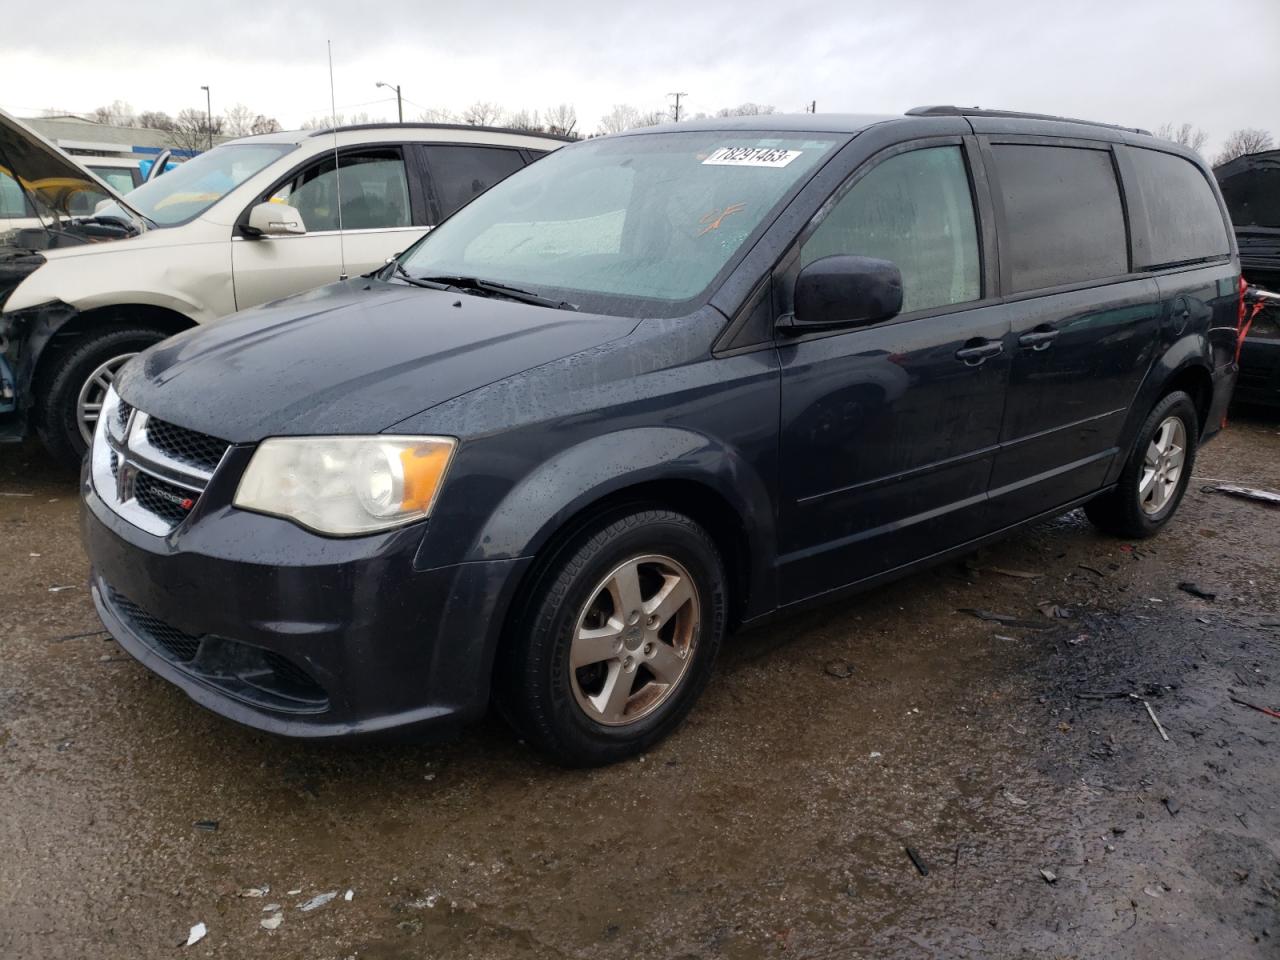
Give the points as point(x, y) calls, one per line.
point(89, 278)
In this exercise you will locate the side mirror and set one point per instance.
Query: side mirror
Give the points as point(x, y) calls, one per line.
point(274, 220)
point(843, 291)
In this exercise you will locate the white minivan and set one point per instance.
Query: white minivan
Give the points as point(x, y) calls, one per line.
point(249, 221)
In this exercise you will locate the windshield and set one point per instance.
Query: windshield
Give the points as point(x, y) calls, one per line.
point(626, 225)
point(193, 187)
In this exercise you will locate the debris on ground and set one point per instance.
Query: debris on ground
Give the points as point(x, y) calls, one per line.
point(196, 935)
point(1274, 714)
point(69, 586)
point(271, 922)
point(348, 895)
point(208, 826)
point(917, 860)
point(1049, 876)
point(1093, 570)
point(319, 900)
point(1053, 611)
point(271, 908)
point(840, 669)
point(1172, 805)
point(1012, 799)
point(1152, 714)
point(255, 891)
point(1187, 586)
point(1005, 618)
point(1245, 493)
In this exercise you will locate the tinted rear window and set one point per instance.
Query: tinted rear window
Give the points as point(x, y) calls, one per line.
point(462, 173)
point(1063, 218)
point(1186, 223)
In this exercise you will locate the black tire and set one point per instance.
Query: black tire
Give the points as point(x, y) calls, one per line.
point(1120, 511)
point(56, 416)
point(534, 688)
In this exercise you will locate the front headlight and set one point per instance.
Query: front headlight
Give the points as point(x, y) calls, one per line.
point(344, 486)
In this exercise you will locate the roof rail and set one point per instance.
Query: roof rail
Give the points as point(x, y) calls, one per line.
point(438, 126)
point(952, 111)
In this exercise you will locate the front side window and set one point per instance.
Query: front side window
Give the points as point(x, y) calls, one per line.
point(193, 187)
point(1063, 219)
point(461, 173)
point(916, 210)
point(371, 184)
point(638, 225)
point(1185, 221)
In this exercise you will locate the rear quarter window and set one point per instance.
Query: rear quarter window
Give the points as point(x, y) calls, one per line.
point(1063, 220)
point(1184, 219)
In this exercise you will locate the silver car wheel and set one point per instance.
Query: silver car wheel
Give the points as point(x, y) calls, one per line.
point(1162, 466)
point(634, 640)
point(94, 390)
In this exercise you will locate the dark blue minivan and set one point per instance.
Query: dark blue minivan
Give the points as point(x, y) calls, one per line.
point(650, 389)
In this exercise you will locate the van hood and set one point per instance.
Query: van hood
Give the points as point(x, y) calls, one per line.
point(47, 199)
point(355, 357)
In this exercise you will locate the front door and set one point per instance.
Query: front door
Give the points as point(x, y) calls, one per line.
point(376, 217)
point(889, 431)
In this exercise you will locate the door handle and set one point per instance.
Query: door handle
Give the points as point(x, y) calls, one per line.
point(979, 353)
point(1038, 339)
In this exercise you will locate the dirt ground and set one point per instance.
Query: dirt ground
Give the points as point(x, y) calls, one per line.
point(775, 824)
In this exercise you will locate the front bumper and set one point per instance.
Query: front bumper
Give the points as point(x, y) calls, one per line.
point(1259, 371)
point(296, 634)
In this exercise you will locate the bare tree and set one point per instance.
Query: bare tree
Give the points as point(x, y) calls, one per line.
point(118, 113)
point(155, 120)
point(524, 120)
point(1184, 135)
point(561, 119)
point(326, 121)
point(653, 118)
point(482, 113)
point(623, 116)
point(263, 124)
point(238, 120)
point(1249, 140)
point(747, 110)
point(191, 129)
point(438, 115)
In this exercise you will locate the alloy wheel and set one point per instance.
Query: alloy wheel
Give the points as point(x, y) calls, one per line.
point(1162, 465)
point(94, 390)
point(634, 640)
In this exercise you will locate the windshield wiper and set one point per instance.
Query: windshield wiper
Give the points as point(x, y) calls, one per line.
point(497, 290)
point(418, 281)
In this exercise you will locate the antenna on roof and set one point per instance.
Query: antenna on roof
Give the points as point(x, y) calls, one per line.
point(337, 179)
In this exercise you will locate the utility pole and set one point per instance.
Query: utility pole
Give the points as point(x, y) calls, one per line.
point(208, 114)
point(678, 96)
point(399, 102)
point(813, 106)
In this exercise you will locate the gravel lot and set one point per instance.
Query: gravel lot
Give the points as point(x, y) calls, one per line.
point(775, 824)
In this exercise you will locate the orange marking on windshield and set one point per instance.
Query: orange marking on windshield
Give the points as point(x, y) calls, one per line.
point(713, 219)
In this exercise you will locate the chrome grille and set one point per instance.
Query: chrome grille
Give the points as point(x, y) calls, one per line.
point(151, 472)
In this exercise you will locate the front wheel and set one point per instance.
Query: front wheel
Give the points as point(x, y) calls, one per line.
point(74, 387)
point(617, 640)
point(1156, 475)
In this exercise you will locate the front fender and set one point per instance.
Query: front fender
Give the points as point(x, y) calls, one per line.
point(543, 501)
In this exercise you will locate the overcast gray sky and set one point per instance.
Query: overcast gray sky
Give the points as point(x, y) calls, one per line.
point(1134, 62)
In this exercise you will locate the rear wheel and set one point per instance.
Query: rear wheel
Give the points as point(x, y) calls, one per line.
point(617, 640)
point(1156, 475)
point(74, 388)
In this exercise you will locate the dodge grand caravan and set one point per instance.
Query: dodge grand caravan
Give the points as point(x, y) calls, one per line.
point(250, 221)
point(650, 389)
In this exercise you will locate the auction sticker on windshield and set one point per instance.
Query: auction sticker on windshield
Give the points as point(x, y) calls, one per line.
point(751, 157)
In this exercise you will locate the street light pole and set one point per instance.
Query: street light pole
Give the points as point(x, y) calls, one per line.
point(399, 102)
point(208, 114)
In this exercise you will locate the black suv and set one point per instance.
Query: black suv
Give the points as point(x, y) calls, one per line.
point(652, 388)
